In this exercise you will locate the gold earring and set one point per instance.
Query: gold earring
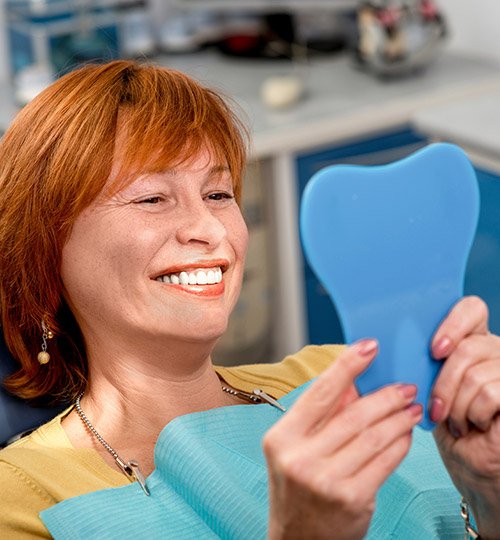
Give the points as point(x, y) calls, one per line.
point(43, 355)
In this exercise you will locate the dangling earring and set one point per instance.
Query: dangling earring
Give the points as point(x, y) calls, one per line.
point(43, 355)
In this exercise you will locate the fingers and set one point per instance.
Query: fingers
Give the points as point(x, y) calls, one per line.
point(468, 316)
point(375, 473)
point(485, 406)
point(463, 376)
point(469, 352)
point(325, 395)
point(374, 440)
point(360, 488)
point(362, 419)
point(479, 398)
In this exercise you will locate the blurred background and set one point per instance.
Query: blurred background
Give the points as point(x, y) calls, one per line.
point(318, 82)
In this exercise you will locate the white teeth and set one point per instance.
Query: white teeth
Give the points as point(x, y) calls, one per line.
point(200, 277)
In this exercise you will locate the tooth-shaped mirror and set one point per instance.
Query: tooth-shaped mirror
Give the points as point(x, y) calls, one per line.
point(390, 244)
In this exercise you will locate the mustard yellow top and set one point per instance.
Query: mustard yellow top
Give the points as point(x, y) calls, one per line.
point(44, 468)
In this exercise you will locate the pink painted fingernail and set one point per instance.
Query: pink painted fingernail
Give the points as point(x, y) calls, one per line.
point(441, 347)
point(436, 409)
point(415, 409)
point(408, 391)
point(366, 347)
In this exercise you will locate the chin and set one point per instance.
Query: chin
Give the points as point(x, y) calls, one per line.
point(203, 331)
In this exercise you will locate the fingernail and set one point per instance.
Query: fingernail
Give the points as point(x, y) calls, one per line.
point(367, 347)
point(408, 391)
point(441, 347)
point(415, 409)
point(454, 430)
point(436, 409)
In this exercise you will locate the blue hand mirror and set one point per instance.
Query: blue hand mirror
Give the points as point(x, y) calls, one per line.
point(390, 245)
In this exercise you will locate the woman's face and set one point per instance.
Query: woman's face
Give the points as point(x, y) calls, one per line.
point(163, 257)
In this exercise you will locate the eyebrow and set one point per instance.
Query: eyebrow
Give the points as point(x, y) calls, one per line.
point(215, 170)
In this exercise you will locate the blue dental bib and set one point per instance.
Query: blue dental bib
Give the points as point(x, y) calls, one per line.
point(210, 481)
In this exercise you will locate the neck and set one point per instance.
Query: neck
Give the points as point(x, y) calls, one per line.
point(131, 397)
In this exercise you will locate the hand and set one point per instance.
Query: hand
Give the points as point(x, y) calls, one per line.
point(328, 456)
point(465, 403)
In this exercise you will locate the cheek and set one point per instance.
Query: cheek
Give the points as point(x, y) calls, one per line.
point(101, 257)
point(239, 237)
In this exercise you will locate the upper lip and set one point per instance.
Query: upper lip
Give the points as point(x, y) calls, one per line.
point(195, 265)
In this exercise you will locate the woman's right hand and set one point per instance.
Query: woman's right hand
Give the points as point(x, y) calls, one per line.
point(330, 453)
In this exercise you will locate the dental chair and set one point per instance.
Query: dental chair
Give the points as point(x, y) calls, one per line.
point(16, 416)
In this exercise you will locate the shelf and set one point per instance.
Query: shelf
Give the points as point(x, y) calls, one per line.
point(267, 5)
point(66, 17)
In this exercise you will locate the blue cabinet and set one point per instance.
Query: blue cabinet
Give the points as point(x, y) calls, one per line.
point(483, 270)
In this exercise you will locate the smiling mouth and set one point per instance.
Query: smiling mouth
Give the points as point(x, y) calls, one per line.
point(196, 276)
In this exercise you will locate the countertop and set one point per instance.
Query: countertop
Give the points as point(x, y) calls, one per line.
point(341, 102)
point(470, 122)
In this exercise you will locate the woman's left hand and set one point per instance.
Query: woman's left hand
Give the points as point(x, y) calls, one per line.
point(466, 405)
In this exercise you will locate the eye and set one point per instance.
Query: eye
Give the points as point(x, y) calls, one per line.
point(150, 200)
point(220, 196)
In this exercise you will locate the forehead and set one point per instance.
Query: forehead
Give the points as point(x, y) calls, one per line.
point(195, 156)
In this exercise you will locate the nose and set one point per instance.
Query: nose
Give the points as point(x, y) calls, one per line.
point(197, 224)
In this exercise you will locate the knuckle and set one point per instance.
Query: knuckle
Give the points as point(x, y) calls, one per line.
point(347, 496)
point(464, 348)
point(473, 377)
point(322, 391)
point(292, 467)
point(489, 394)
point(478, 304)
point(467, 348)
point(271, 443)
point(373, 438)
point(349, 417)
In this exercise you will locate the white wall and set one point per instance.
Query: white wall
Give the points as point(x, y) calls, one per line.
point(474, 26)
point(4, 59)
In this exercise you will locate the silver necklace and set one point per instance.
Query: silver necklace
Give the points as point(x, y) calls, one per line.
point(131, 468)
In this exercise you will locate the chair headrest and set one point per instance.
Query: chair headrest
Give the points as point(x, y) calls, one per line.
point(16, 415)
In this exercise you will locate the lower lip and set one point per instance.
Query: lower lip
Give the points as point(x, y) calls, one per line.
point(217, 289)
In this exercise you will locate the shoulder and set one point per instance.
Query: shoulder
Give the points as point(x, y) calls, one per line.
point(42, 469)
point(280, 378)
point(21, 500)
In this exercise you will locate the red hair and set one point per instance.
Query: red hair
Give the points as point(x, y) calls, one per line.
point(55, 160)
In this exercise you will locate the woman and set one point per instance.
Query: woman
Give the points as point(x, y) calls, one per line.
point(121, 237)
